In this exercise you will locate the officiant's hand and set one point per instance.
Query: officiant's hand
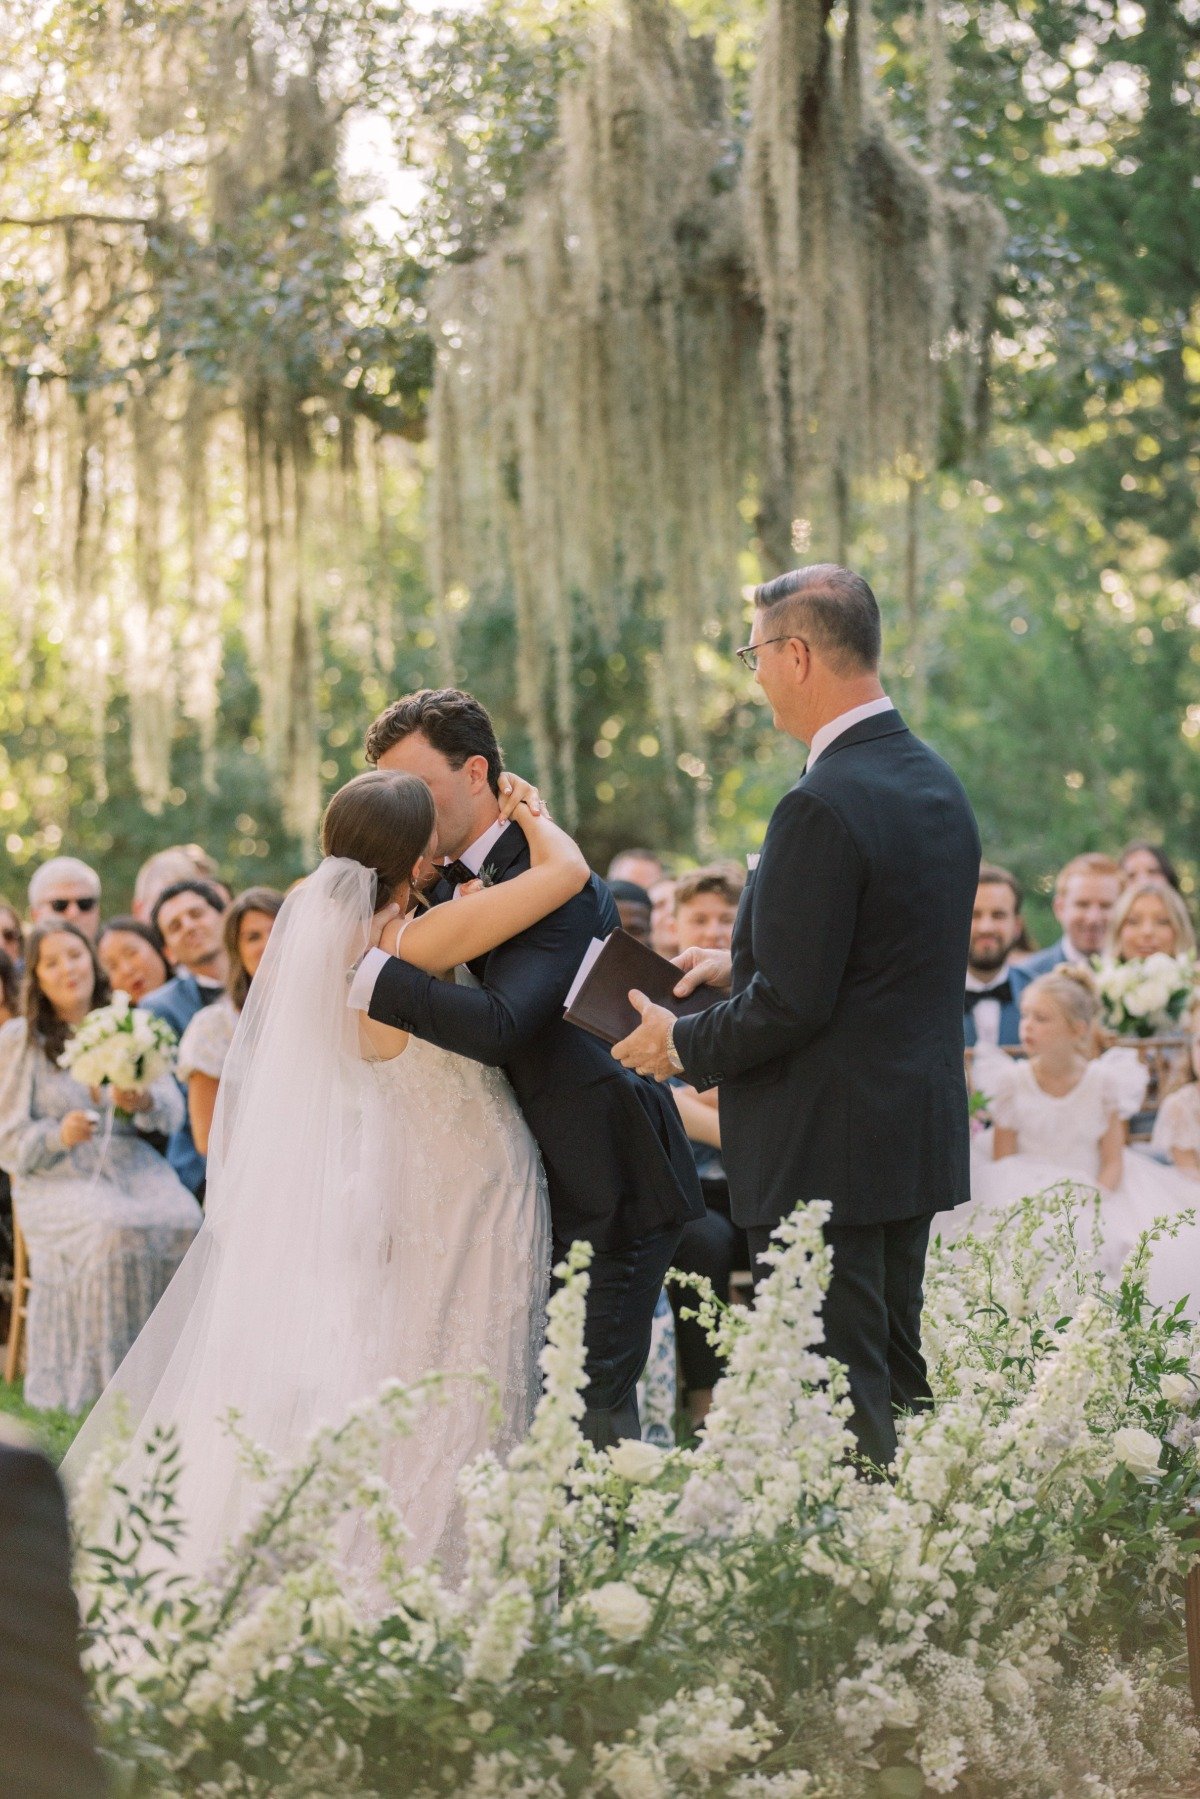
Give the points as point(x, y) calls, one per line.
point(703, 968)
point(515, 792)
point(645, 1050)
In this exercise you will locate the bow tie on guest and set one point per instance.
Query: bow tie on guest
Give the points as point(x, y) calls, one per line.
point(457, 873)
point(1001, 991)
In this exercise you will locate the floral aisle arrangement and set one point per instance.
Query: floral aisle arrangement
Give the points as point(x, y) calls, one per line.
point(752, 1617)
point(1148, 995)
point(120, 1046)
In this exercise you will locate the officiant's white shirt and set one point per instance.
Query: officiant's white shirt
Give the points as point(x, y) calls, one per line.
point(474, 857)
point(833, 730)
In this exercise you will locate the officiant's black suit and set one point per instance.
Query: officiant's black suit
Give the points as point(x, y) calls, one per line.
point(839, 1054)
point(620, 1172)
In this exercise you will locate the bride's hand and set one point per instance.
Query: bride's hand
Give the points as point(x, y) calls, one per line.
point(515, 792)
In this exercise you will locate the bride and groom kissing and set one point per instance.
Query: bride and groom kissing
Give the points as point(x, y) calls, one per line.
point(384, 1202)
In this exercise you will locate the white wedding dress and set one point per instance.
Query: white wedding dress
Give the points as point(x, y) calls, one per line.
point(367, 1220)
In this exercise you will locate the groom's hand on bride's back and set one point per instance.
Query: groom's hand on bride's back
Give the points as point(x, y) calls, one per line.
point(703, 968)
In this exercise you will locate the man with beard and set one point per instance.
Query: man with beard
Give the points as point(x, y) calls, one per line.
point(992, 1011)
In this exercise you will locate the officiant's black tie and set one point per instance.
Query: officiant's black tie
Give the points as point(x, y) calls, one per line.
point(1001, 991)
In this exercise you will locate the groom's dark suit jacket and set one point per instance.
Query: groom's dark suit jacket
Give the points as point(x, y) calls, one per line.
point(840, 1053)
point(616, 1156)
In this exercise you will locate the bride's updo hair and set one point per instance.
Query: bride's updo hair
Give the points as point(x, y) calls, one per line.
point(384, 820)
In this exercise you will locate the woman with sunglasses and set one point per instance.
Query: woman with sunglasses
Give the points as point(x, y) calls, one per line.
point(105, 1218)
point(66, 891)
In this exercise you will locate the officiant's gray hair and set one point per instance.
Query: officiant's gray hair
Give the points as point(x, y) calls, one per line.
point(832, 608)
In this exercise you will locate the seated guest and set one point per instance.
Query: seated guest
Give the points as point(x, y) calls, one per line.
point(132, 956)
point(206, 1041)
point(642, 867)
point(706, 903)
point(1149, 919)
point(633, 908)
point(663, 936)
point(180, 862)
point(1176, 1136)
point(992, 1013)
point(105, 1219)
point(10, 988)
point(47, 1749)
point(190, 916)
point(12, 937)
point(713, 1245)
point(1085, 893)
point(1142, 860)
point(66, 889)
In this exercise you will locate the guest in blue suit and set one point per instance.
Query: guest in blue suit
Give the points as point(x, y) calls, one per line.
point(1085, 893)
point(189, 916)
point(991, 1011)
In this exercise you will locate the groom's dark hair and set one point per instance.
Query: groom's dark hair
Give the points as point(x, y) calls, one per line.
point(832, 608)
point(455, 724)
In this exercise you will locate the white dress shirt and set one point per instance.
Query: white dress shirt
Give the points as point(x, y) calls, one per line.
point(363, 985)
point(833, 730)
point(987, 1011)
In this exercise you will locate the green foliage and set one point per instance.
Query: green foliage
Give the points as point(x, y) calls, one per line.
point(53, 1431)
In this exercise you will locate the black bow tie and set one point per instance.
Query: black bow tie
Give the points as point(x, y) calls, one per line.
point(457, 873)
point(1001, 991)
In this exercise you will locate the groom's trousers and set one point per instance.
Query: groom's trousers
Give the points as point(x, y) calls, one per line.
point(872, 1318)
point(622, 1294)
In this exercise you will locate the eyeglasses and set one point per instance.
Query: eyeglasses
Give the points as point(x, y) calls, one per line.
point(748, 654)
point(63, 906)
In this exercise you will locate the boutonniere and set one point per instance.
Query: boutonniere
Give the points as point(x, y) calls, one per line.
point(487, 875)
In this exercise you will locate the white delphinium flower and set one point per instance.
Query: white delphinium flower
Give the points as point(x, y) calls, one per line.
point(630, 1771)
point(502, 1635)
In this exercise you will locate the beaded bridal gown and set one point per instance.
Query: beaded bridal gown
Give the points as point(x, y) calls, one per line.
point(367, 1220)
point(1058, 1139)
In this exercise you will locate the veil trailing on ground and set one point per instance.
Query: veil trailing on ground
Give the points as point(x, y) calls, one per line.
point(271, 1310)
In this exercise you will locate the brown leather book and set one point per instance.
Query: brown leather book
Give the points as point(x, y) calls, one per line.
point(599, 999)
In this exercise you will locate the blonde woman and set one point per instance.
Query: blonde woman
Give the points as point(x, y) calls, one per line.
point(1149, 919)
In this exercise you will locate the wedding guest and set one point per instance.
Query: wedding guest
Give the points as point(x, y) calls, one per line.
point(105, 1220)
point(1085, 893)
point(633, 908)
point(1149, 919)
point(205, 1043)
point(10, 988)
point(12, 936)
point(179, 862)
point(1176, 1134)
point(642, 867)
point(132, 956)
point(706, 903)
point(47, 1748)
point(663, 935)
point(1140, 859)
point(190, 917)
point(991, 1011)
point(66, 889)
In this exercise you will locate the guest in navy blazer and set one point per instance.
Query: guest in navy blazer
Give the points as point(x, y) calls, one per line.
point(992, 1011)
point(190, 916)
point(1085, 893)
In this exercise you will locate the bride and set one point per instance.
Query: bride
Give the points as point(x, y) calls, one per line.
point(376, 1206)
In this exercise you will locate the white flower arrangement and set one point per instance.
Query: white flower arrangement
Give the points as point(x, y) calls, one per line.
point(1146, 996)
point(120, 1046)
point(748, 1617)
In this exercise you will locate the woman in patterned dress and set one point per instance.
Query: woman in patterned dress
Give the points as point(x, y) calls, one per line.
point(105, 1219)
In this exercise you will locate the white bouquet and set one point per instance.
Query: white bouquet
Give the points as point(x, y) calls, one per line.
point(120, 1046)
point(1147, 996)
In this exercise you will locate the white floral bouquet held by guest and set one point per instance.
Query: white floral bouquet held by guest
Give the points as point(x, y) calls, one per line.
point(121, 1047)
point(1148, 995)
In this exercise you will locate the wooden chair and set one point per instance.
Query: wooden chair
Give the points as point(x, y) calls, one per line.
point(19, 1309)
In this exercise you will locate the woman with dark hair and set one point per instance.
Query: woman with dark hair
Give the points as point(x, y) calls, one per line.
point(205, 1043)
point(12, 934)
point(132, 956)
point(105, 1219)
point(10, 988)
point(1142, 861)
point(376, 1208)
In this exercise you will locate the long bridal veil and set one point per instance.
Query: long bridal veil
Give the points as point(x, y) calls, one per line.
point(272, 1311)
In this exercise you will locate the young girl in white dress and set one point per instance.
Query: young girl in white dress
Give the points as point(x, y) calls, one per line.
point(1176, 1137)
point(1061, 1116)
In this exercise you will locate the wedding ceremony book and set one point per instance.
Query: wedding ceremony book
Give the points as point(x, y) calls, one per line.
point(599, 998)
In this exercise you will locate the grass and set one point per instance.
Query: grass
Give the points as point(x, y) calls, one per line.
point(54, 1431)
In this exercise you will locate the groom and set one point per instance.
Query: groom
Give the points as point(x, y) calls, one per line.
point(839, 1052)
point(620, 1172)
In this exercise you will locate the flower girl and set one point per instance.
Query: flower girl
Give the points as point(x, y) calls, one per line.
point(1060, 1116)
point(1177, 1128)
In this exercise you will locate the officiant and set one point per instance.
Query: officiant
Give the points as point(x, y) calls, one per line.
point(839, 1049)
